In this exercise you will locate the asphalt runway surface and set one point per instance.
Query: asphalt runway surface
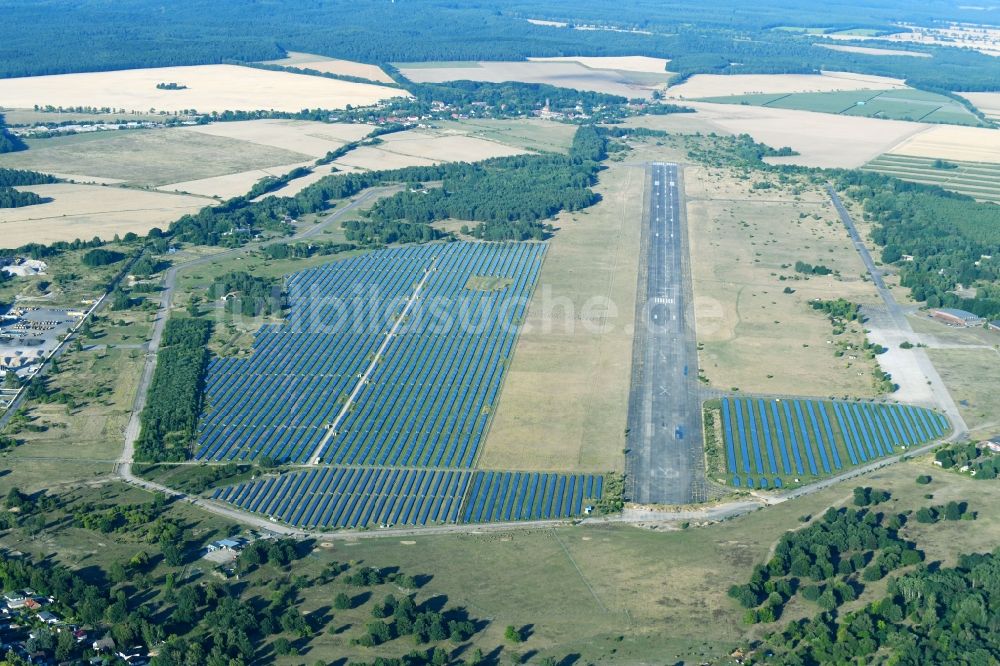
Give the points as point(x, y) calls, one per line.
point(664, 464)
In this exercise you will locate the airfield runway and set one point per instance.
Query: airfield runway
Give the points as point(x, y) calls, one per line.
point(664, 464)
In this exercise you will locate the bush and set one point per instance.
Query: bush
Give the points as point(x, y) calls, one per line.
point(923, 479)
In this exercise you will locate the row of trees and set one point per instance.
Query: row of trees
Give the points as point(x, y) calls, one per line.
point(173, 403)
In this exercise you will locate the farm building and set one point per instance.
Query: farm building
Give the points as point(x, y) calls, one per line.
point(993, 444)
point(995, 325)
point(954, 317)
point(233, 545)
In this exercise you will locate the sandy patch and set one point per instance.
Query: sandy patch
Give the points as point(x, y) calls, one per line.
point(563, 74)
point(868, 50)
point(621, 63)
point(551, 24)
point(300, 136)
point(209, 88)
point(718, 85)
point(822, 139)
point(85, 211)
point(333, 66)
point(970, 144)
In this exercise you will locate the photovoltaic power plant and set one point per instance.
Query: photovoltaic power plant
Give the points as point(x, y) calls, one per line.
point(344, 497)
point(766, 440)
point(391, 358)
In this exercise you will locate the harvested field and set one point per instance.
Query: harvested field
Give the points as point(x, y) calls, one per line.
point(719, 85)
point(976, 179)
point(823, 140)
point(230, 185)
point(868, 50)
point(304, 137)
point(85, 211)
point(987, 102)
point(563, 74)
point(153, 157)
point(753, 334)
point(895, 104)
point(209, 88)
point(333, 66)
point(424, 147)
point(968, 144)
point(619, 63)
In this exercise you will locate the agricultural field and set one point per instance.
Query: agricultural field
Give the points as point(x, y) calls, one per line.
point(644, 64)
point(976, 179)
point(718, 85)
point(822, 140)
point(282, 401)
point(356, 497)
point(301, 137)
point(208, 88)
point(962, 144)
point(424, 147)
point(566, 74)
point(805, 439)
point(332, 66)
point(86, 211)
point(868, 50)
point(987, 102)
point(897, 104)
point(149, 158)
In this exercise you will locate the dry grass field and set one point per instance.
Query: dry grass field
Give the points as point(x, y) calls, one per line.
point(612, 594)
point(149, 157)
point(972, 377)
point(527, 133)
point(718, 85)
point(969, 144)
point(209, 88)
point(565, 398)
point(332, 66)
point(619, 63)
point(868, 50)
point(85, 211)
point(229, 185)
point(305, 137)
point(568, 74)
point(823, 140)
point(753, 336)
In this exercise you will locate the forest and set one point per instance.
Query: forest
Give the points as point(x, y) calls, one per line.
point(951, 237)
point(8, 142)
point(173, 403)
point(11, 198)
point(509, 196)
point(249, 295)
point(724, 37)
point(928, 615)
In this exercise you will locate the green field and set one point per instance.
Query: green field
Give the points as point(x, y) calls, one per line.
point(904, 104)
point(976, 179)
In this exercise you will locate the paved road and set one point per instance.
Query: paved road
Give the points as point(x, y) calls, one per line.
point(894, 315)
point(124, 466)
point(664, 463)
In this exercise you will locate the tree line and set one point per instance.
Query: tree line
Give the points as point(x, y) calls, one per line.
point(173, 403)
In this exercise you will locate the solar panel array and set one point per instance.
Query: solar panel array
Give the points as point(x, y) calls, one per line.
point(342, 497)
point(768, 438)
point(432, 377)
